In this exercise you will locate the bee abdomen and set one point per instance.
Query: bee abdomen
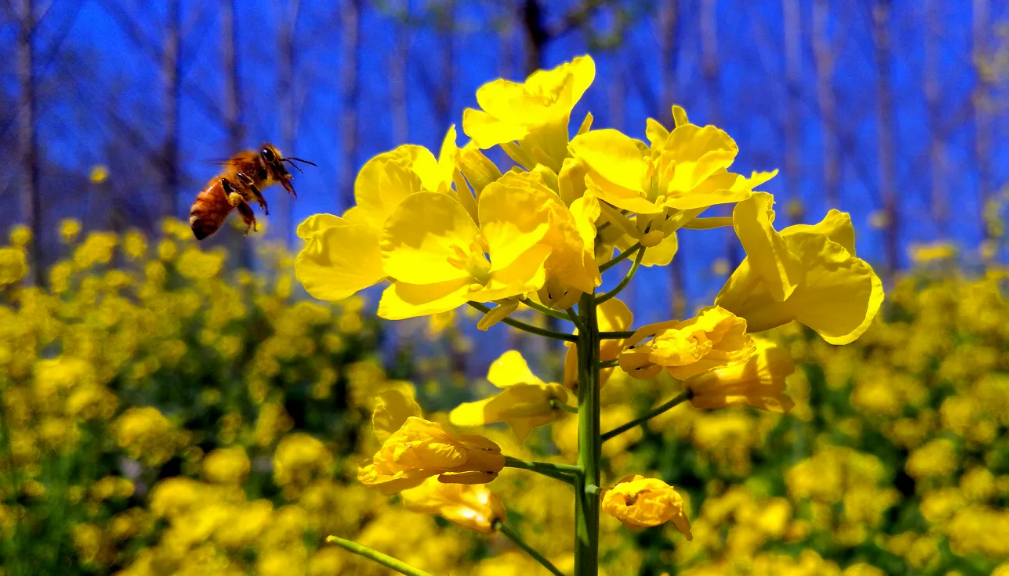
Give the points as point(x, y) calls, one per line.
point(209, 211)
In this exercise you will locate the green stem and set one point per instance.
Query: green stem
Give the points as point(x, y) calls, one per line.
point(514, 537)
point(573, 316)
point(558, 405)
point(544, 309)
point(616, 335)
point(563, 472)
point(647, 415)
point(528, 327)
point(372, 554)
point(627, 279)
point(620, 258)
point(589, 442)
point(608, 363)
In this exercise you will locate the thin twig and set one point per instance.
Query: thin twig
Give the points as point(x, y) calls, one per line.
point(528, 327)
point(514, 537)
point(647, 416)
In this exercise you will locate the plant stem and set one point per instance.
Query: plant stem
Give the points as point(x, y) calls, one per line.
point(528, 327)
point(563, 472)
point(609, 363)
point(616, 335)
point(372, 554)
point(555, 403)
point(620, 258)
point(544, 309)
point(589, 442)
point(573, 316)
point(514, 537)
point(647, 415)
point(627, 279)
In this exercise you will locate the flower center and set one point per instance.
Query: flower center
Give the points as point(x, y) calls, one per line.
point(473, 261)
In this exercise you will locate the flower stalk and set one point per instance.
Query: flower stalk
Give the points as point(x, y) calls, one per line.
point(589, 441)
point(514, 537)
point(647, 416)
point(375, 555)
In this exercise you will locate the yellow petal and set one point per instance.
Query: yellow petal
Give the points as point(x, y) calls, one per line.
point(656, 133)
point(753, 220)
point(611, 155)
point(487, 131)
point(511, 369)
point(691, 154)
point(339, 258)
point(498, 313)
point(392, 408)
point(835, 225)
point(526, 274)
point(402, 300)
point(680, 116)
point(424, 236)
point(513, 218)
point(385, 180)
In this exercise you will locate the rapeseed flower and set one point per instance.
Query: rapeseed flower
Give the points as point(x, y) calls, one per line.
point(807, 273)
point(713, 338)
point(758, 381)
point(641, 502)
point(471, 506)
point(526, 402)
point(535, 114)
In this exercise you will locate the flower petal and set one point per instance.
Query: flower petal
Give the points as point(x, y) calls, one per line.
point(339, 257)
point(511, 369)
point(766, 250)
point(426, 232)
point(402, 300)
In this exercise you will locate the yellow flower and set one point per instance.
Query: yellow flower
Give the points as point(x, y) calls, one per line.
point(807, 273)
point(12, 265)
point(535, 113)
point(226, 465)
point(421, 449)
point(611, 316)
point(472, 506)
point(299, 459)
point(69, 229)
point(145, 433)
point(641, 502)
point(414, 449)
point(99, 173)
point(667, 183)
point(758, 382)
point(342, 255)
point(715, 337)
point(441, 258)
point(525, 403)
point(20, 235)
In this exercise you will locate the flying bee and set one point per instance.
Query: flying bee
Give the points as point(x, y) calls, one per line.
point(242, 182)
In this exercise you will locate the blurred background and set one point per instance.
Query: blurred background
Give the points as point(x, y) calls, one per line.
point(170, 407)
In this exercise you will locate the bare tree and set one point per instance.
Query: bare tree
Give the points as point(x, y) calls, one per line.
point(793, 86)
point(232, 81)
point(933, 98)
point(351, 19)
point(444, 14)
point(31, 204)
point(669, 47)
point(824, 55)
point(399, 65)
point(981, 102)
point(172, 93)
point(882, 50)
point(283, 211)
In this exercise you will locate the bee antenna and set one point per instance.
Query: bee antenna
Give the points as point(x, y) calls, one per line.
point(305, 161)
point(288, 160)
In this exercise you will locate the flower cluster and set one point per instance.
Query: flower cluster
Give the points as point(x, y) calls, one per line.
point(457, 229)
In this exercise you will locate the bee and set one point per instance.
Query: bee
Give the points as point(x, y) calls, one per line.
point(242, 182)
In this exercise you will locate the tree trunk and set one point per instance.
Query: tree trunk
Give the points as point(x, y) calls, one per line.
point(981, 102)
point(534, 35)
point(885, 133)
point(351, 18)
point(793, 86)
point(172, 84)
point(31, 204)
point(283, 211)
point(933, 103)
point(669, 45)
point(399, 64)
point(443, 98)
point(823, 54)
point(237, 244)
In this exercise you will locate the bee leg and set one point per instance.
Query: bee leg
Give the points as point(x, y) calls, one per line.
point(255, 192)
point(248, 216)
